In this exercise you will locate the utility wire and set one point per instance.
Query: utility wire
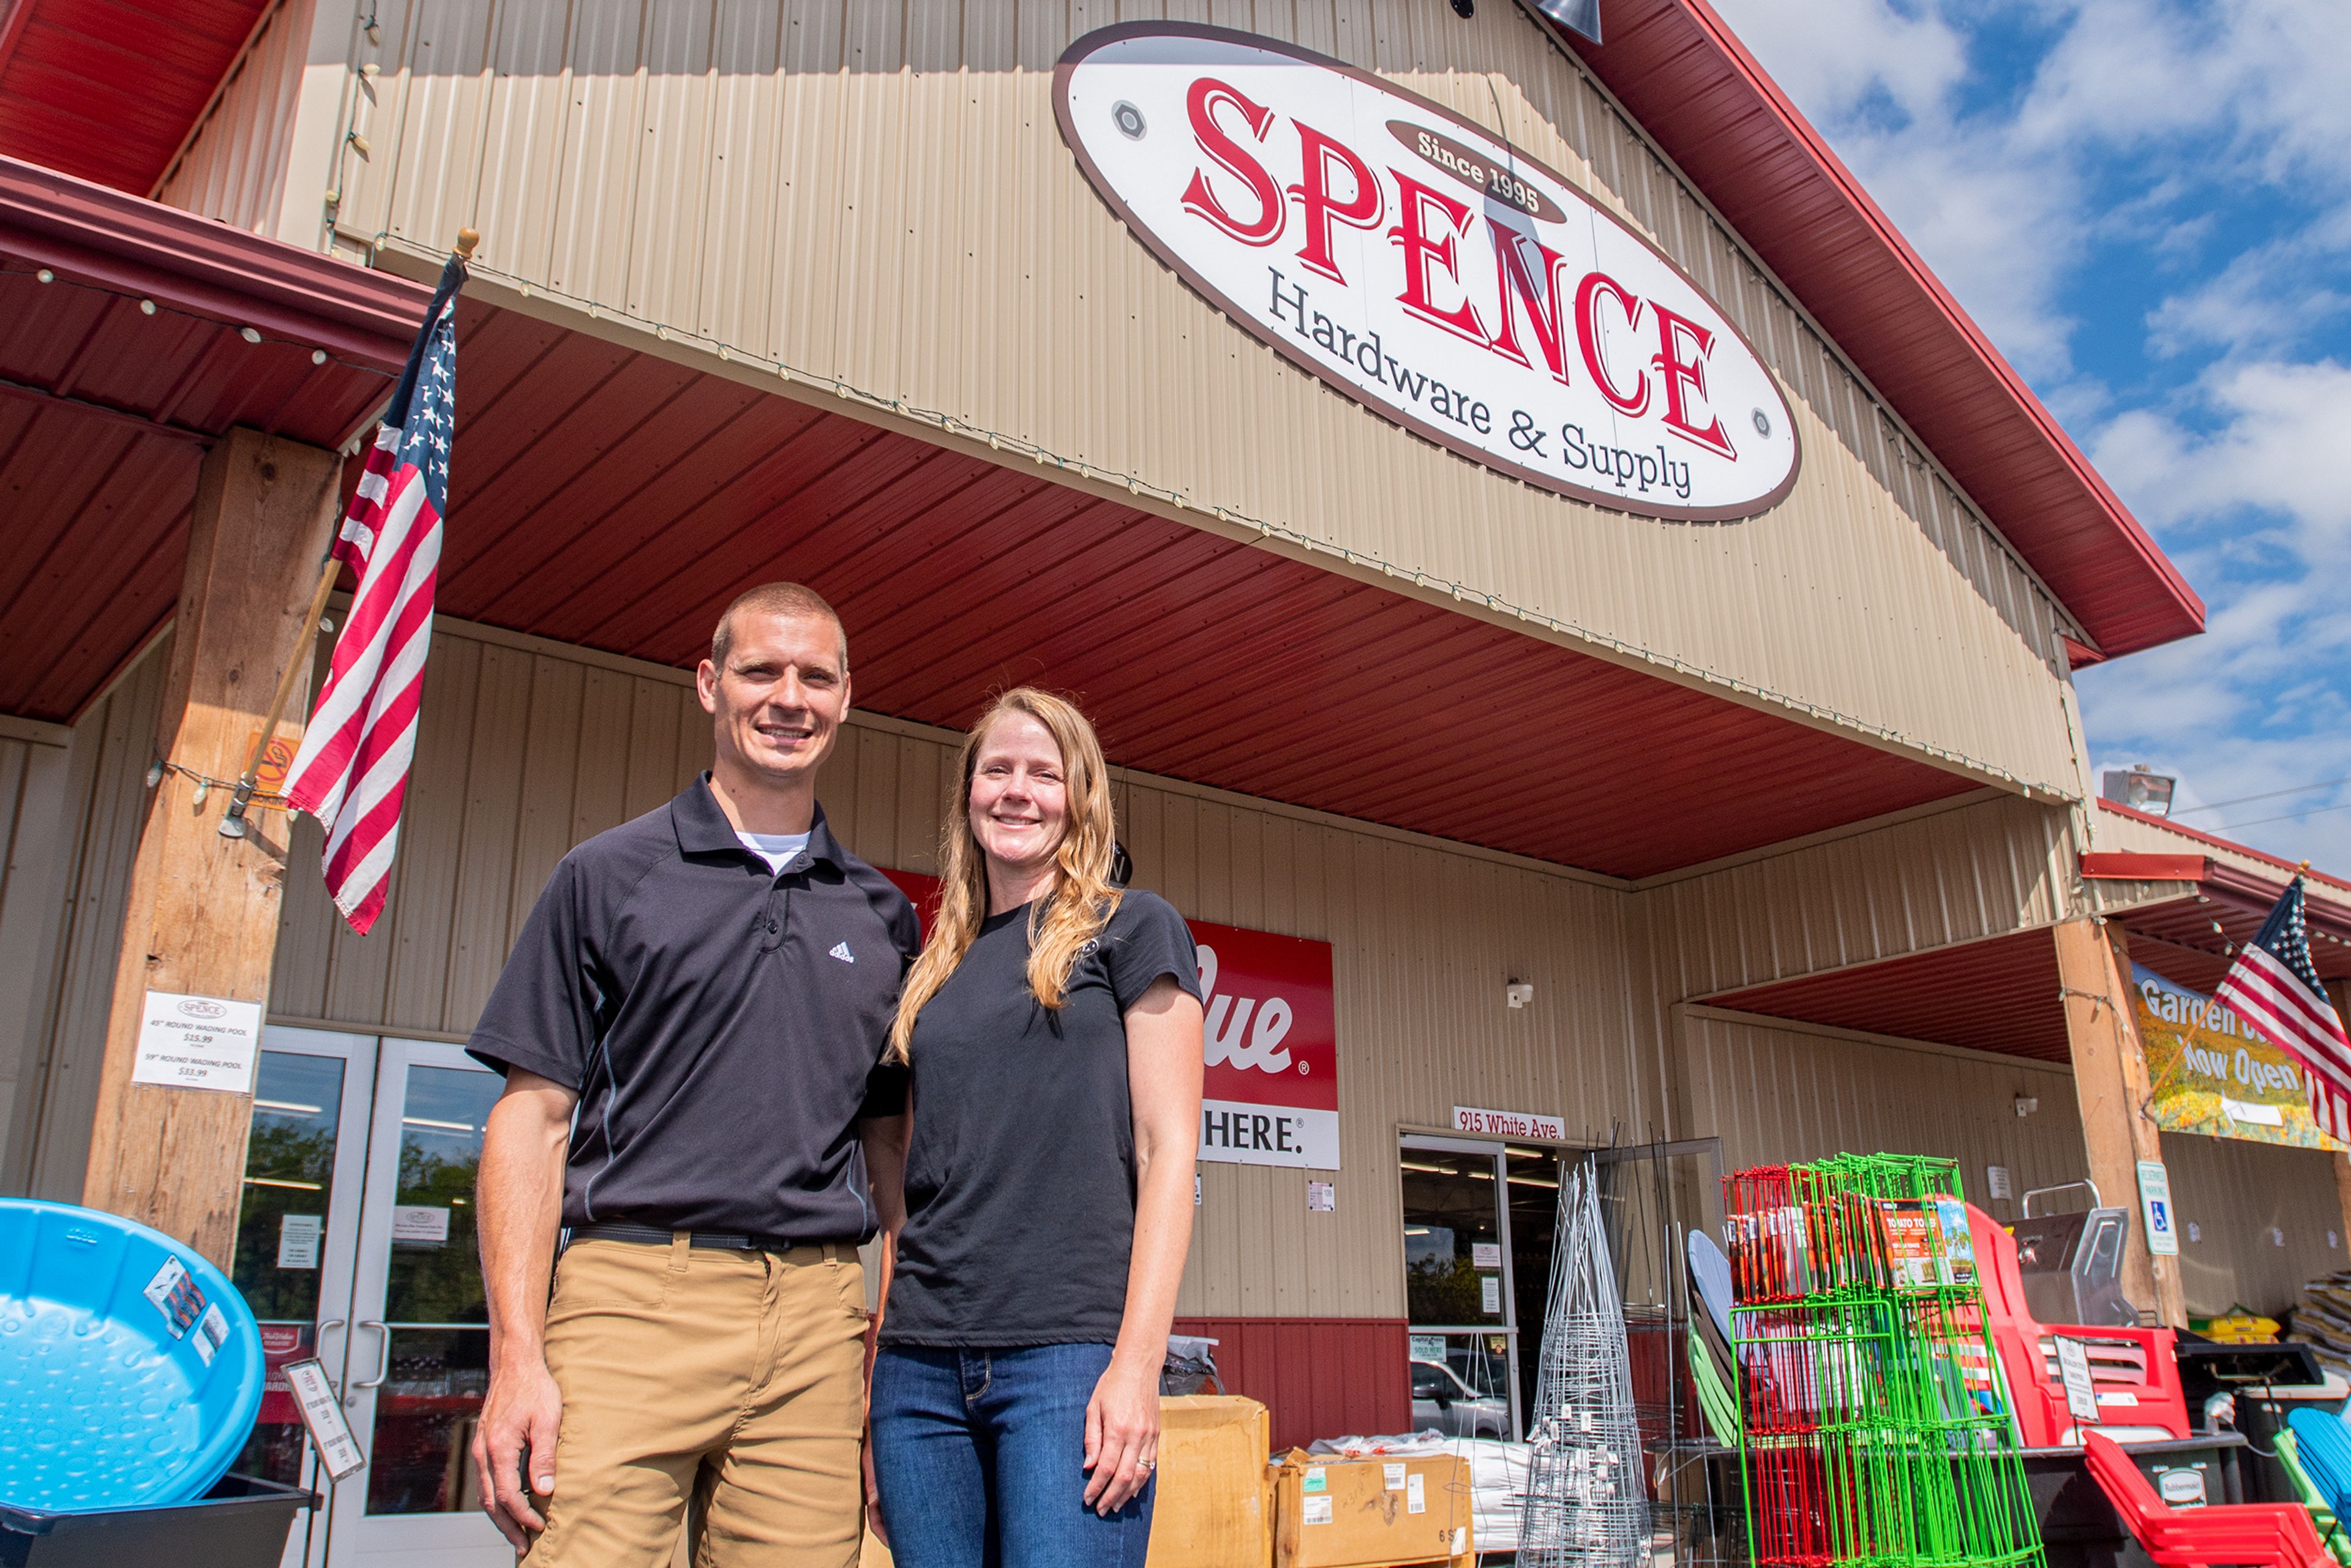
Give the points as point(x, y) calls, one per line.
point(2290, 816)
point(2248, 799)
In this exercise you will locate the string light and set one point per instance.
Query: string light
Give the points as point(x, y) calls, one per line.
point(147, 307)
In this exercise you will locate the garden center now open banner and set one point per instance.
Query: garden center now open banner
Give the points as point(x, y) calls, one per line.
point(1270, 1093)
point(2213, 1075)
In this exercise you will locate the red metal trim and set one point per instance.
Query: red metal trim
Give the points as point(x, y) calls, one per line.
point(207, 268)
point(1318, 1377)
point(2132, 867)
point(1684, 75)
point(2229, 844)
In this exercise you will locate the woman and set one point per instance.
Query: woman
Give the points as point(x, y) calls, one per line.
point(1031, 1255)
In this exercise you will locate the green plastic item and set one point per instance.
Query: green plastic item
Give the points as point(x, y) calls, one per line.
point(2330, 1530)
point(1714, 1399)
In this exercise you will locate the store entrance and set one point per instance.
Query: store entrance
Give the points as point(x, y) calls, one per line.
point(1477, 1241)
point(356, 1244)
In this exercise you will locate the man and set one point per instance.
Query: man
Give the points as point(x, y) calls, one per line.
point(707, 989)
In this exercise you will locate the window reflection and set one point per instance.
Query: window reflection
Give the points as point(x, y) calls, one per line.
point(438, 1369)
point(281, 1237)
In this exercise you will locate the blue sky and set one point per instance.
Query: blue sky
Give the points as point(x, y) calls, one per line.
point(2147, 205)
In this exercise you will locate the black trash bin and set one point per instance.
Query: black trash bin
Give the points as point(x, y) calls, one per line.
point(240, 1523)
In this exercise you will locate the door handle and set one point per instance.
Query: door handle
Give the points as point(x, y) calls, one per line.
point(318, 1343)
point(382, 1360)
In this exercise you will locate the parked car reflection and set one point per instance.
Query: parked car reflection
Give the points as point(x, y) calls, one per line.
point(1441, 1400)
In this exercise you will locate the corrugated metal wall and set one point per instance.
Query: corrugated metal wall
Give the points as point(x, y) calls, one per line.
point(875, 192)
point(35, 856)
point(2237, 1194)
point(524, 750)
point(1777, 1092)
point(234, 166)
point(103, 806)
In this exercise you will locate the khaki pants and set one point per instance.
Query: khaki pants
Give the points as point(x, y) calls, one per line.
point(734, 1379)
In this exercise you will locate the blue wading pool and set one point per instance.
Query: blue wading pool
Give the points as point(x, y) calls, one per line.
point(130, 1367)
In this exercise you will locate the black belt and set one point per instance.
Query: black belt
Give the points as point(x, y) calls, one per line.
point(733, 1241)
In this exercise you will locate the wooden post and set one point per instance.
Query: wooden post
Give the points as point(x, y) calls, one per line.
point(202, 913)
point(2111, 1084)
point(2339, 993)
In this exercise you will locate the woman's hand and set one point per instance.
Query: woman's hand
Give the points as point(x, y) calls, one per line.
point(1122, 1435)
point(873, 1495)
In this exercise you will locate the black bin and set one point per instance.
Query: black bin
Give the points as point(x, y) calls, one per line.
point(240, 1524)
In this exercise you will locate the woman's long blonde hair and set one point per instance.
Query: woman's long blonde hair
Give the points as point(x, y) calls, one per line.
point(1069, 914)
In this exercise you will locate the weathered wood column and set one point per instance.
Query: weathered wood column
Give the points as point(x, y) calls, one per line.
point(201, 915)
point(2111, 1084)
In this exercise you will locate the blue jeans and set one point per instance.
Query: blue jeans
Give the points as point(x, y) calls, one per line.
point(980, 1456)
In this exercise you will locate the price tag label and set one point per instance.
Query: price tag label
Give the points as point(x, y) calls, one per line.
point(322, 1418)
point(2073, 1366)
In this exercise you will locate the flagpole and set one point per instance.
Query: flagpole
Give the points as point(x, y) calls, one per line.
point(233, 824)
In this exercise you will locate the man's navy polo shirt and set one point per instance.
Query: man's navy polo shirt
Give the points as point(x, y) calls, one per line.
point(722, 1024)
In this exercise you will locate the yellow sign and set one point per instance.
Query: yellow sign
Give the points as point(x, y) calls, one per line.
point(2212, 1074)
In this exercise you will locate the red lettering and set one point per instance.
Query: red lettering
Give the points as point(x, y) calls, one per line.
point(1513, 283)
point(1587, 332)
point(1419, 250)
point(1682, 348)
point(1208, 93)
point(1363, 211)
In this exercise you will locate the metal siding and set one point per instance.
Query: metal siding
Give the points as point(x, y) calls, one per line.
point(1318, 1377)
point(933, 243)
point(1776, 1093)
point(36, 855)
point(1978, 869)
point(2234, 1192)
point(234, 166)
point(105, 808)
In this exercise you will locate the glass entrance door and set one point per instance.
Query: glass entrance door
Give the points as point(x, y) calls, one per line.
point(1459, 1291)
point(419, 1347)
point(296, 1236)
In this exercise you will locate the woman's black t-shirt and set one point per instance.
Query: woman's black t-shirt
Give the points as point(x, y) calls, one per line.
point(1020, 1173)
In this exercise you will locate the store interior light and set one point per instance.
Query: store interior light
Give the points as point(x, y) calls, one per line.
point(274, 1181)
point(1415, 1230)
point(289, 1107)
point(436, 1127)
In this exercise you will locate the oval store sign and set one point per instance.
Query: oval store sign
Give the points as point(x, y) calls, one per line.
point(1428, 270)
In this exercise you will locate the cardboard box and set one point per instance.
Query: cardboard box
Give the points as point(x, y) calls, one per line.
point(1215, 1507)
point(1370, 1514)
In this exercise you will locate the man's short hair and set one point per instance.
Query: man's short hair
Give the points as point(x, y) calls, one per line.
point(787, 598)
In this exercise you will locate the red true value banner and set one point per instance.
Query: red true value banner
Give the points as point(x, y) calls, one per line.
point(1270, 1094)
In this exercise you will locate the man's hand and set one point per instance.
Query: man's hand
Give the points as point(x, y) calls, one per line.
point(518, 1205)
point(1122, 1436)
point(515, 1438)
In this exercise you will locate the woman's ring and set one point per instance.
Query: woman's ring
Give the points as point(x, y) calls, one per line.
point(1151, 1464)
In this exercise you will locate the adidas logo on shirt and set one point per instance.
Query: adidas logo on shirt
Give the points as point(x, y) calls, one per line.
point(840, 951)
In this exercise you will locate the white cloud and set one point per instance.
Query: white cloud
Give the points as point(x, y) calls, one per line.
point(2205, 149)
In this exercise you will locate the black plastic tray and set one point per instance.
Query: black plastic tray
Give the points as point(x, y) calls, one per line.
point(240, 1523)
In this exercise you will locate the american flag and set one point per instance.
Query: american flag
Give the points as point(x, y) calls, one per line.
point(2274, 986)
point(352, 769)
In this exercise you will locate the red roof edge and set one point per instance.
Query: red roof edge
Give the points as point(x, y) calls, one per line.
point(2126, 866)
point(207, 267)
point(1682, 72)
point(2165, 823)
